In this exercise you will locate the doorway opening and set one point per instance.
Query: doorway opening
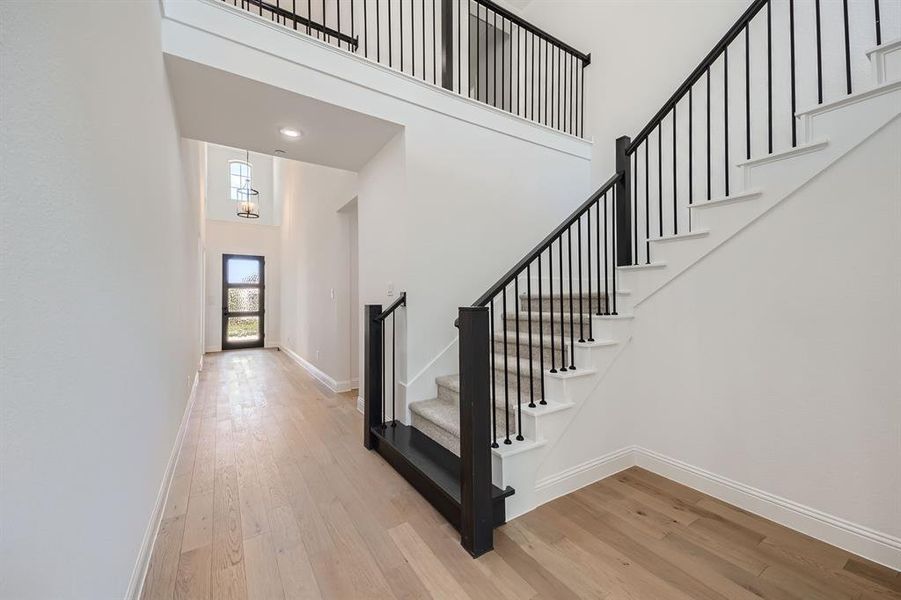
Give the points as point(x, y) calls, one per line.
point(243, 299)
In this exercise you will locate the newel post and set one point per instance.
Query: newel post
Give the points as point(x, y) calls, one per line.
point(623, 203)
point(476, 516)
point(372, 373)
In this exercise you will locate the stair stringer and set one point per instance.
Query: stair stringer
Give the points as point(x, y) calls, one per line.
point(524, 465)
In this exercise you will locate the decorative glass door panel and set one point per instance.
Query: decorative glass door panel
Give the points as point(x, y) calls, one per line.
point(243, 293)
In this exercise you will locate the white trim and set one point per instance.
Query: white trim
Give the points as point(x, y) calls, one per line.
point(785, 154)
point(726, 200)
point(318, 374)
point(699, 233)
point(361, 405)
point(586, 473)
point(139, 573)
point(643, 267)
point(879, 90)
point(858, 539)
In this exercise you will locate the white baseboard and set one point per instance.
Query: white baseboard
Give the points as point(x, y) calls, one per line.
point(586, 473)
point(361, 404)
point(136, 584)
point(319, 375)
point(863, 541)
point(879, 547)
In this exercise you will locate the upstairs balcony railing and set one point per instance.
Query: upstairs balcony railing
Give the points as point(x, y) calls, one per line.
point(475, 48)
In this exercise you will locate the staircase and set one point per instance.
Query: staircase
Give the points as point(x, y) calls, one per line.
point(555, 323)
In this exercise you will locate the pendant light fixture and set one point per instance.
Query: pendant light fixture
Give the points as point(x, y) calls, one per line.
point(248, 198)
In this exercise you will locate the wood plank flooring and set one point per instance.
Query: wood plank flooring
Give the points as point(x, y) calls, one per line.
point(275, 497)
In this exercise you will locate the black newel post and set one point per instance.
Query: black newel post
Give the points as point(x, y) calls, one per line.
point(476, 519)
point(623, 203)
point(372, 394)
point(447, 44)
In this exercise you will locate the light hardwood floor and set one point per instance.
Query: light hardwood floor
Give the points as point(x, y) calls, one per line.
point(275, 497)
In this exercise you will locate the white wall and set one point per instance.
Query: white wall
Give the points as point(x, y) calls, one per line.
point(778, 364)
point(241, 238)
point(101, 323)
point(220, 206)
point(317, 294)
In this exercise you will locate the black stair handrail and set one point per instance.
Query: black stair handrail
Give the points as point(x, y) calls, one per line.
point(401, 301)
point(495, 289)
point(297, 19)
point(698, 72)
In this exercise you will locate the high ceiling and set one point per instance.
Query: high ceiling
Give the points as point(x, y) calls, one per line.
point(223, 108)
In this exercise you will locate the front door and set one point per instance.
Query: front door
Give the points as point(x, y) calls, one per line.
point(243, 293)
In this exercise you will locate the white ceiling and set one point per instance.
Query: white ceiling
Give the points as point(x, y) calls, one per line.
point(223, 108)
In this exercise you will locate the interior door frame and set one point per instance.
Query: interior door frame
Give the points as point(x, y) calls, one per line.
point(261, 312)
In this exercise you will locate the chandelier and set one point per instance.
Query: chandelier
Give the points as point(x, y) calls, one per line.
point(248, 198)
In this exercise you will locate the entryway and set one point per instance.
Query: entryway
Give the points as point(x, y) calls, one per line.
point(243, 299)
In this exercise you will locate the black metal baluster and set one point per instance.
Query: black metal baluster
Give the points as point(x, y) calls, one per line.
point(606, 261)
point(309, 16)
point(519, 437)
point(541, 329)
point(325, 36)
point(635, 208)
point(659, 180)
point(708, 133)
point(478, 55)
point(378, 34)
point(532, 86)
point(434, 49)
point(816, 5)
point(506, 372)
point(748, 92)
point(550, 271)
point(384, 391)
point(572, 94)
point(494, 61)
point(562, 309)
point(494, 443)
point(547, 80)
point(390, 50)
point(847, 46)
point(647, 204)
point(572, 321)
point(581, 311)
point(294, 12)
point(503, 65)
point(338, 7)
point(559, 85)
point(613, 246)
point(691, 156)
point(531, 340)
point(393, 367)
point(878, 23)
point(400, 31)
point(459, 47)
point(352, 27)
point(726, 116)
point(588, 257)
point(769, 76)
point(675, 181)
point(582, 100)
point(791, 28)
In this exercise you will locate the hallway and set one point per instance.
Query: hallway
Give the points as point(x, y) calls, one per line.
point(275, 497)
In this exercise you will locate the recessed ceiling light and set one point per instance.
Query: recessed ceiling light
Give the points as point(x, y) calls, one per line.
point(290, 132)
